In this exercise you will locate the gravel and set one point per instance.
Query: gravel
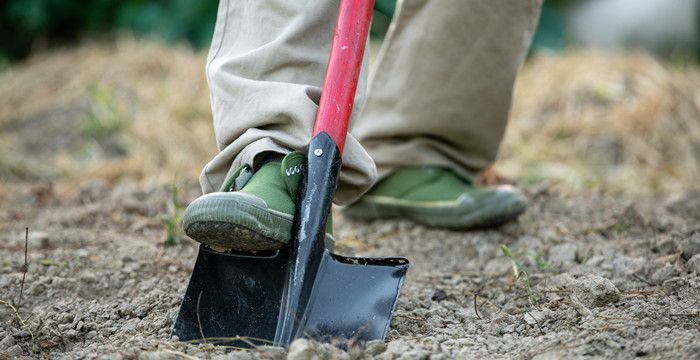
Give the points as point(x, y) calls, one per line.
point(603, 280)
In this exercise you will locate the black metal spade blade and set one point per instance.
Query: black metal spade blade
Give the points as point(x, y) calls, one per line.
point(234, 299)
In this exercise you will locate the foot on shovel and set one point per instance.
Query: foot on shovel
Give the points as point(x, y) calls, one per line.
point(255, 209)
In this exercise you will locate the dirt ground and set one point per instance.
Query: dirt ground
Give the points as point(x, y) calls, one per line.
point(604, 263)
point(609, 277)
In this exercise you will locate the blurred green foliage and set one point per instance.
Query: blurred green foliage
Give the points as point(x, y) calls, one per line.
point(31, 24)
point(25, 24)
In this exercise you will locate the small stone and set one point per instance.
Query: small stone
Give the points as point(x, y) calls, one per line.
point(156, 355)
point(22, 334)
point(47, 344)
point(562, 281)
point(6, 342)
point(596, 291)
point(89, 278)
point(92, 190)
point(38, 239)
point(13, 351)
point(301, 349)
point(690, 246)
point(674, 283)
point(666, 272)
point(375, 347)
point(531, 316)
point(694, 264)
point(134, 206)
point(396, 348)
point(438, 295)
point(66, 318)
point(562, 253)
point(667, 246)
point(498, 265)
point(686, 205)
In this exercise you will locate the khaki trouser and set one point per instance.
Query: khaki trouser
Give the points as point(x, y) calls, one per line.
point(439, 94)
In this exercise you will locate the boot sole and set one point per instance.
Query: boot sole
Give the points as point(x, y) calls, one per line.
point(238, 222)
point(227, 235)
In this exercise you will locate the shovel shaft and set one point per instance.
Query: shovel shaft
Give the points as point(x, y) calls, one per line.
point(338, 95)
point(307, 246)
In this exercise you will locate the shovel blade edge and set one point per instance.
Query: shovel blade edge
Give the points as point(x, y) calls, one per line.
point(235, 299)
point(232, 299)
point(353, 298)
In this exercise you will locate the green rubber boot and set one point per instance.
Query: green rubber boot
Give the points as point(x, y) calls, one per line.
point(254, 211)
point(438, 197)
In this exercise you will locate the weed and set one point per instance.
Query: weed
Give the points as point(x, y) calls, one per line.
point(519, 274)
point(49, 262)
point(21, 321)
point(171, 222)
point(621, 227)
point(105, 117)
point(542, 263)
point(15, 308)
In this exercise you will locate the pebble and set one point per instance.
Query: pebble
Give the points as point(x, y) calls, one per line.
point(595, 291)
point(438, 295)
point(38, 239)
point(93, 190)
point(156, 355)
point(303, 349)
point(667, 246)
point(666, 272)
point(533, 315)
point(694, 264)
point(375, 347)
point(6, 342)
point(13, 351)
point(22, 334)
point(690, 246)
point(562, 253)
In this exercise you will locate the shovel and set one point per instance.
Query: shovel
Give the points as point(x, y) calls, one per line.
point(272, 298)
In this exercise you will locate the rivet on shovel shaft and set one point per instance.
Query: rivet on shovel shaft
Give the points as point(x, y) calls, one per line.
point(318, 152)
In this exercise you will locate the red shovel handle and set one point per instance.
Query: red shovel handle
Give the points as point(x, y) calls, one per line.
point(338, 95)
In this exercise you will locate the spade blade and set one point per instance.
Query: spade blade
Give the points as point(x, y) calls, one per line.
point(235, 299)
point(232, 299)
point(353, 298)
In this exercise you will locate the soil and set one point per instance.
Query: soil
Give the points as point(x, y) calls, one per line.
point(604, 263)
point(610, 277)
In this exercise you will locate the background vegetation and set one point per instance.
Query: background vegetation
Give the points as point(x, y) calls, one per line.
point(30, 24)
point(27, 25)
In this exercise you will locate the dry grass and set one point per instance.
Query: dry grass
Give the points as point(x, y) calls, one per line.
point(620, 122)
point(131, 109)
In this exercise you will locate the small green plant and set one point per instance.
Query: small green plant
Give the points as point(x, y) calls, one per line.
point(621, 227)
point(171, 222)
point(105, 117)
point(542, 263)
point(519, 274)
point(49, 262)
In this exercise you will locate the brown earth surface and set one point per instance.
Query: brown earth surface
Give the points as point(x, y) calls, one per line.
point(609, 277)
point(604, 263)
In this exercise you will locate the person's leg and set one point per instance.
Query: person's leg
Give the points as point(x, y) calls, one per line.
point(265, 70)
point(440, 96)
